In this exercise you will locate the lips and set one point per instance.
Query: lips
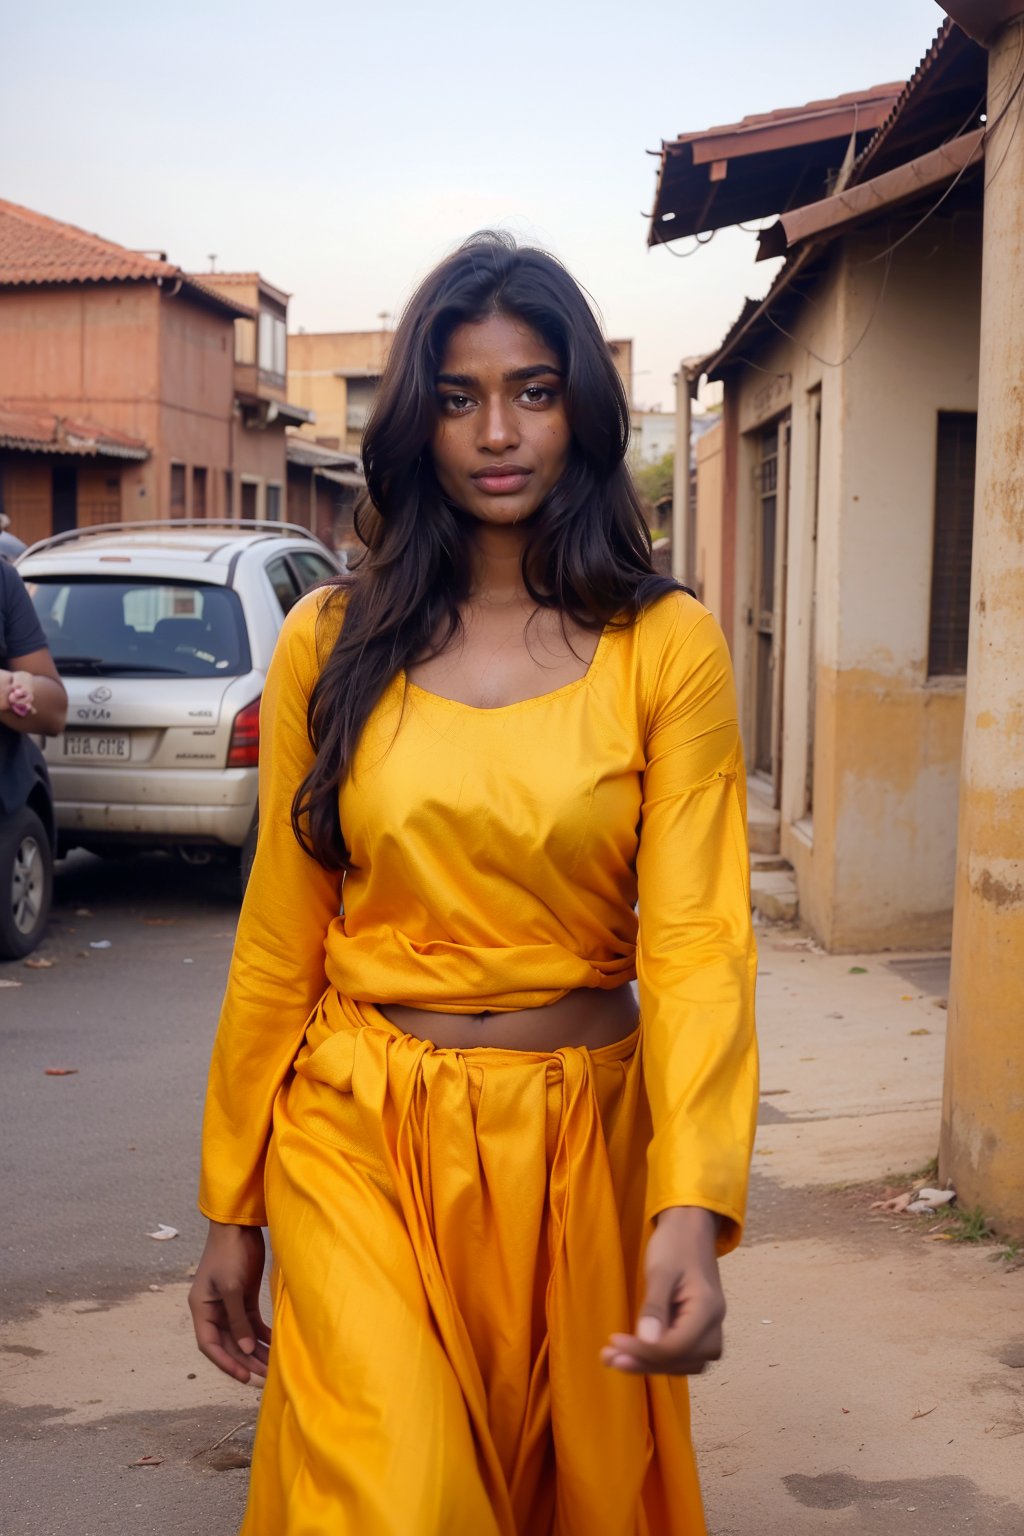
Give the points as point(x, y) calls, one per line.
point(502, 479)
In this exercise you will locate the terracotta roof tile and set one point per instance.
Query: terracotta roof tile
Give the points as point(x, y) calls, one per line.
point(35, 249)
point(784, 115)
point(44, 432)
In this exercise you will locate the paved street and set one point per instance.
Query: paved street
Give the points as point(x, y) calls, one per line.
point(873, 1380)
point(95, 1362)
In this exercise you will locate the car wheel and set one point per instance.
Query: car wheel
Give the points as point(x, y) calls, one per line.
point(26, 883)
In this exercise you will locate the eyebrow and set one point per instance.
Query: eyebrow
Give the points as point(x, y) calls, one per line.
point(515, 376)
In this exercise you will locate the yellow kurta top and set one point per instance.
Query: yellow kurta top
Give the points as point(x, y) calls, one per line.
point(503, 857)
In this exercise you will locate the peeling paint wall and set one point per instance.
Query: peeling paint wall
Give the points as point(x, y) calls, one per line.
point(883, 343)
point(982, 1143)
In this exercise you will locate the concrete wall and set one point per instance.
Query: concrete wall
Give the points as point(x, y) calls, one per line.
point(260, 454)
point(897, 785)
point(622, 357)
point(197, 373)
point(710, 493)
point(314, 361)
point(133, 358)
point(874, 850)
point(652, 436)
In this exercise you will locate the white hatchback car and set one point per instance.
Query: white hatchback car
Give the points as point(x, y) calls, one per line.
point(162, 634)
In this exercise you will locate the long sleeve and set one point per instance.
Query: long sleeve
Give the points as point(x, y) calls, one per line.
point(696, 958)
point(277, 970)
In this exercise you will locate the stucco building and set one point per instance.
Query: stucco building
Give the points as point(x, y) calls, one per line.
point(870, 486)
point(834, 501)
point(334, 375)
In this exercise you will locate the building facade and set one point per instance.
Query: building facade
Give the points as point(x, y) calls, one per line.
point(334, 375)
point(132, 390)
point(835, 499)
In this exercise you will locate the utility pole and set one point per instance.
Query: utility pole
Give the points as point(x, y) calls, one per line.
point(683, 558)
point(383, 315)
point(982, 1146)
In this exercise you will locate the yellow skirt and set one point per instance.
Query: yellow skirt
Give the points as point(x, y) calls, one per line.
point(455, 1235)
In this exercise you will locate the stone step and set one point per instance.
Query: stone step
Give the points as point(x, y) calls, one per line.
point(773, 894)
point(762, 825)
point(765, 863)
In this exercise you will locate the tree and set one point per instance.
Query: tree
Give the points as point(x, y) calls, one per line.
point(654, 482)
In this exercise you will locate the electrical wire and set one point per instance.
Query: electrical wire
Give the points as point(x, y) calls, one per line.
point(969, 164)
point(701, 241)
point(886, 255)
point(825, 361)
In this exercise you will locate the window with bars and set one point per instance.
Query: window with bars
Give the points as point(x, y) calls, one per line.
point(951, 557)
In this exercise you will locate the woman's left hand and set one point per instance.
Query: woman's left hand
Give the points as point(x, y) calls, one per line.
point(679, 1330)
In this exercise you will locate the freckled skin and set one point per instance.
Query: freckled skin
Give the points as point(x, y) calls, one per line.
point(490, 419)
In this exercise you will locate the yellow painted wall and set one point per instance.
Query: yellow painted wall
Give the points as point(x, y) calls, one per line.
point(889, 344)
point(314, 361)
point(982, 1144)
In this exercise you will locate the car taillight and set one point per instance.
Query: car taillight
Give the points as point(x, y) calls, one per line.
point(244, 750)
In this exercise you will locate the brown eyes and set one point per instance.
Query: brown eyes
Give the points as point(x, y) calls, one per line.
point(533, 394)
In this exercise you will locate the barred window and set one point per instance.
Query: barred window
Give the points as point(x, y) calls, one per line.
point(951, 557)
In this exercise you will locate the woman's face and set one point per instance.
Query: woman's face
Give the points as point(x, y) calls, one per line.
point(502, 438)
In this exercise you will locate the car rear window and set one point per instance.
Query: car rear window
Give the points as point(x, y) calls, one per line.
point(111, 628)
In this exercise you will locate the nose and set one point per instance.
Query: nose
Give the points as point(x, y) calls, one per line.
point(499, 425)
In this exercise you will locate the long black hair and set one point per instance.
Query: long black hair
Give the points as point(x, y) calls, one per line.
point(587, 551)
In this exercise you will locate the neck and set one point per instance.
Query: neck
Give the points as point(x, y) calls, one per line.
point(497, 566)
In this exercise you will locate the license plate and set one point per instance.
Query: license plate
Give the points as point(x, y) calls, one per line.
point(89, 745)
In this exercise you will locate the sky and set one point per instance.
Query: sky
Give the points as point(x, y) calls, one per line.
point(343, 149)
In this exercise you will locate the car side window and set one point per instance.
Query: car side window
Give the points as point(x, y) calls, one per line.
point(311, 567)
point(284, 583)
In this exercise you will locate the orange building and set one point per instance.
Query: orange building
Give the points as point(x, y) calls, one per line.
point(262, 411)
point(126, 391)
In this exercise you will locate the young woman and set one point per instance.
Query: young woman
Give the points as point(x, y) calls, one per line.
point(495, 1192)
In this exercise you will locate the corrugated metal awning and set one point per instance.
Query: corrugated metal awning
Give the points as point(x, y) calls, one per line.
point(834, 215)
point(761, 165)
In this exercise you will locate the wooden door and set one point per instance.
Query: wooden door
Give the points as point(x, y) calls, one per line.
point(771, 477)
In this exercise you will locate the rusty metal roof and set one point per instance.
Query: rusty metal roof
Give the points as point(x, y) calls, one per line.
point(930, 136)
point(44, 432)
point(761, 165)
point(945, 95)
point(36, 250)
point(858, 204)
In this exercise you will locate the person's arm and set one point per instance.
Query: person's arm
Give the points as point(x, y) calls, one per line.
point(696, 964)
point(33, 699)
point(32, 696)
point(277, 968)
point(275, 981)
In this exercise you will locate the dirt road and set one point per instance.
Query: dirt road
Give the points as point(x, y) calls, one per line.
point(874, 1379)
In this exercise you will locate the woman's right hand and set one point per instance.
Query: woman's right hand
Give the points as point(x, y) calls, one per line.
point(225, 1302)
